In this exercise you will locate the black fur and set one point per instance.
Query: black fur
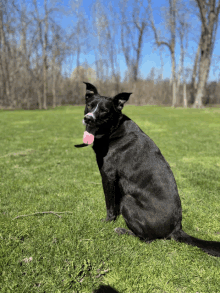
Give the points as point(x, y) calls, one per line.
point(137, 180)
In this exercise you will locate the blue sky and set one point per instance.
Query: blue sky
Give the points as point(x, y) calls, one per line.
point(150, 55)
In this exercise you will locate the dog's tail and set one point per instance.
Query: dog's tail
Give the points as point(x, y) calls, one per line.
point(210, 247)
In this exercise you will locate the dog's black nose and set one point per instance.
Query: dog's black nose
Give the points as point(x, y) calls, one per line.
point(88, 119)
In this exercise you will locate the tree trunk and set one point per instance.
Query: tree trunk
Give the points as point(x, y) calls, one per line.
point(4, 60)
point(203, 75)
point(54, 92)
point(184, 95)
point(39, 99)
point(54, 83)
point(45, 85)
point(194, 85)
point(174, 79)
point(171, 43)
point(209, 17)
point(45, 55)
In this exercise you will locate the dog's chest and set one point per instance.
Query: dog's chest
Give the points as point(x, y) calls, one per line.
point(106, 159)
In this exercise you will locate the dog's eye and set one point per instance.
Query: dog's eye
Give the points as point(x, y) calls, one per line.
point(89, 107)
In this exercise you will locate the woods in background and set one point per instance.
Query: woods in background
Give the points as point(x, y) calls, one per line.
point(36, 52)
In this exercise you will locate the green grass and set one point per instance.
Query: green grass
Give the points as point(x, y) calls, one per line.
point(40, 170)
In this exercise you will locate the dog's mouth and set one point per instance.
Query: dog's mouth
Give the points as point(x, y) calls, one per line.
point(89, 123)
point(85, 123)
point(89, 134)
point(90, 127)
point(92, 131)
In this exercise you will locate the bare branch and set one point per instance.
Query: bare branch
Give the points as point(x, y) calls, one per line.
point(159, 43)
point(202, 11)
point(218, 9)
point(37, 213)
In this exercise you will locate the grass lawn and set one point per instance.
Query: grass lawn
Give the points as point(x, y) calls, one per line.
point(73, 251)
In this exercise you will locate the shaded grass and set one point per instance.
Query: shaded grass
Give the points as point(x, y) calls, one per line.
point(40, 170)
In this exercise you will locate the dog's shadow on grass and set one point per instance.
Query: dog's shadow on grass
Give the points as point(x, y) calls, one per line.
point(105, 289)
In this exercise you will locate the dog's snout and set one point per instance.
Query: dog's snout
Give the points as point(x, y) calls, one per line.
point(88, 118)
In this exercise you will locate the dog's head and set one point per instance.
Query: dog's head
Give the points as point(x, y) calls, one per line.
point(101, 113)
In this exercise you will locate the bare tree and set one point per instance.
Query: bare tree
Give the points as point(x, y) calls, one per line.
point(112, 49)
point(130, 28)
point(105, 23)
point(44, 41)
point(182, 73)
point(209, 13)
point(170, 44)
point(24, 54)
point(195, 69)
point(25, 40)
point(77, 41)
point(183, 30)
point(59, 47)
point(100, 25)
point(55, 53)
point(9, 53)
point(44, 25)
point(33, 49)
point(40, 39)
point(162, 64)
point(5, 54)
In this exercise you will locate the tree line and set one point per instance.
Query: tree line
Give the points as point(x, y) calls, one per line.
point(36, 52)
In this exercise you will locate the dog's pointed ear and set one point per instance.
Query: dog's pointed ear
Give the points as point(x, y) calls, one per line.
point(91, 90)
point(120, 100)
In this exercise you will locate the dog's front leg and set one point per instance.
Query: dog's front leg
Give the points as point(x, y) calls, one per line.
point(109, 186)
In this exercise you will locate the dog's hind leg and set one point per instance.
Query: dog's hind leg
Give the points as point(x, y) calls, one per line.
point(135, 218)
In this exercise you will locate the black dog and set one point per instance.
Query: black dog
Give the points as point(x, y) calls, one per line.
point(137, 180)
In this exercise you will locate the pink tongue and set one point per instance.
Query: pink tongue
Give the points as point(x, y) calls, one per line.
point(88, 137)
